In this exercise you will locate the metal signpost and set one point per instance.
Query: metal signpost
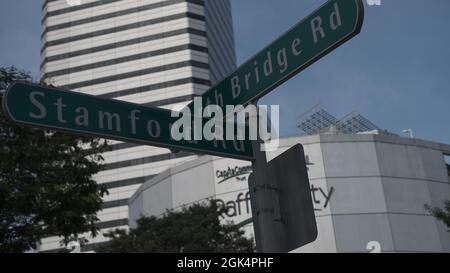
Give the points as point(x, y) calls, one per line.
point(281, 202)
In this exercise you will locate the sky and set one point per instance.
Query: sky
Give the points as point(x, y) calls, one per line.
point(396, 72)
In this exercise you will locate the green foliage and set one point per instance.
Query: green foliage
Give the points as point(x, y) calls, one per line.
point(191, 230)
point(441, 214)
point(46, 186)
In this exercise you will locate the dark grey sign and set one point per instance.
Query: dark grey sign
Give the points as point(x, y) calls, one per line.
point(293, 210)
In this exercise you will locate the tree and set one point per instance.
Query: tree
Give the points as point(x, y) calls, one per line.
point(441, 214)
point(193, 229)
point(46, 185)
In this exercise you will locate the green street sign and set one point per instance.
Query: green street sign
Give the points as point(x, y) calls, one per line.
point(321, 32)
point(57, 109)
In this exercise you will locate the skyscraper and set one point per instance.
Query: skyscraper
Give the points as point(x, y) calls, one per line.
point(153, 52)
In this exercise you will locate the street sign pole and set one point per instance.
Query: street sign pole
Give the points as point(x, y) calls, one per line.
point(264, 202)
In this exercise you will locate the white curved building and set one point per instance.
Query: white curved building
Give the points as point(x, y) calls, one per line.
point(369, 191)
